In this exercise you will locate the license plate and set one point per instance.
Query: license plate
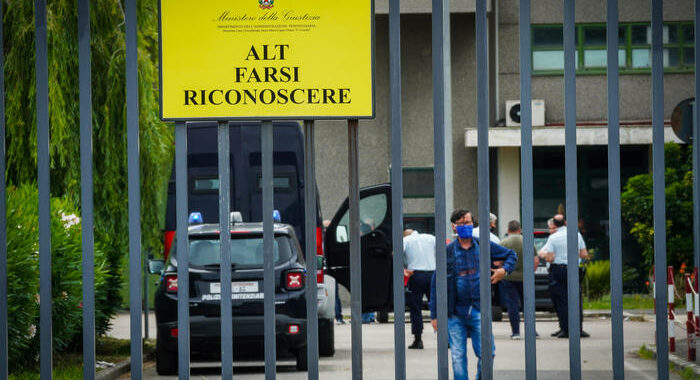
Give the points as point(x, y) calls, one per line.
point(541, 270)
point(236, 287)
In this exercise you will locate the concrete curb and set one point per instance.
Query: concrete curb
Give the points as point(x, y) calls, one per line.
point(119, 369)
point(681, 364)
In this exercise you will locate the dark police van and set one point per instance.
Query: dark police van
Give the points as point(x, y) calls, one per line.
point(246, 198)
point(246, 175)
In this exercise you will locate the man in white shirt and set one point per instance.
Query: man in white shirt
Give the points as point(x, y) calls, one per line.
point(419, 255)
point(554, 252)
point(492, 225)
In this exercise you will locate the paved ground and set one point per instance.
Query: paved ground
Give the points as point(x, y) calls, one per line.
point(378, 359)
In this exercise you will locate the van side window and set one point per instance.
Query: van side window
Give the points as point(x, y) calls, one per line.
point(373, 210)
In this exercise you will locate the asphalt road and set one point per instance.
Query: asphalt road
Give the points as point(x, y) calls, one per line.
point(509, 363)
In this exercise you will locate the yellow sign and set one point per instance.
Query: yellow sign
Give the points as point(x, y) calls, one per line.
point(266, 59)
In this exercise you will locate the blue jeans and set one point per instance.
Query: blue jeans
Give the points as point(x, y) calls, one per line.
point(458, 328)
point(514, 298)
point(338, 306)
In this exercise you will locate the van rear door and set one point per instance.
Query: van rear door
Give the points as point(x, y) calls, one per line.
point(375, 245)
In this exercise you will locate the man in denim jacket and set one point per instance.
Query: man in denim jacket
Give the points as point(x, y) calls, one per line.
point(463, 295)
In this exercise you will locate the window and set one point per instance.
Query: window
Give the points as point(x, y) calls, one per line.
point(418, 182)
point(634, 54)
point(373, 211)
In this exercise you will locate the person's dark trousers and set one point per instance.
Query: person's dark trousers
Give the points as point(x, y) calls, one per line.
point(338, 307)
point(514, 298)
point(558, 292)
point(418, 285)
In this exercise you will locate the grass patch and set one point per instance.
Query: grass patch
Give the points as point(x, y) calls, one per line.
point(69, 366)
point(629, 301)
point(645, 353)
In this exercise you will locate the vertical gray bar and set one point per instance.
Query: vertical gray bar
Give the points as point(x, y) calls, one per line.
point(310, 220)
point(183, 254)
point(696, 150)
point(657, 125)
point(4, 352)
point(132, 125)
point(355, 253)
point(397, 189)
point(43, 179)
point(615, 211)
point(527, 191)
point(266, 136)
point(86, 200)
point(482, 122)
point(225, 250)
point(571, 190)
point(441, 117)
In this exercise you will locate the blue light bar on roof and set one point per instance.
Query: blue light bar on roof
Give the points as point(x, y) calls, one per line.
point(276, 216)
point(195, 218)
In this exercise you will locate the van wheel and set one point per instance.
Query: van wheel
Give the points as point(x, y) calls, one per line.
point(383, 316)
point(496, 313)
point(302, 359)
point(166, 361)
point(326, 337)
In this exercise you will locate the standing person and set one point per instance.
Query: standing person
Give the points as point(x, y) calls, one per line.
point(419, 255)
point(554, 251)
point(492, 227)
point(513, 286)
point(463, 294)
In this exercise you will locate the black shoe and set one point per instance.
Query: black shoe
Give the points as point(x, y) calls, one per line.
point(417, 344)
point(585, 334)
point(563, 335)
point(556, 332)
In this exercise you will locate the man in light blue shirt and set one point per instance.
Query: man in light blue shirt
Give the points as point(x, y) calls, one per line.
point(419, 255)
point(554, 252)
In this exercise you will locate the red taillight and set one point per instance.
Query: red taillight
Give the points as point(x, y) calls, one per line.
point(319, 241)
point(294, 280)
point(293, 329)
point(173, 333)
point(168, 237)
point(171, 283)
point(319, 276)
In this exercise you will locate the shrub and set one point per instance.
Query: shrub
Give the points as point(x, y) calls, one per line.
point(66, 267)
point(597, 278)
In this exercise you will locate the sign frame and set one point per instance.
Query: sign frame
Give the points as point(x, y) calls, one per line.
point(273, 117)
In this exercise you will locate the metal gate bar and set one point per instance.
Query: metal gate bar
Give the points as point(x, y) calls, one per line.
point(355, 253)
point(226, 323)
point(573, 288)
point(266, 142)
point(527, 190)
point(442, 119)
point(183, 255)
point(86, 188)
point(614, 208)
point(657, 125)
point(134, 184)
point(43, 179)
point(310, 219)
point(397, 190)
point(4, 371)
point(482, 123)
point(696, 151)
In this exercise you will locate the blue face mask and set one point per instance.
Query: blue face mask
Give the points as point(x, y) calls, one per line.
point(465, 231)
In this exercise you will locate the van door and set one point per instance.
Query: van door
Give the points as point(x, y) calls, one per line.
point(375, 242)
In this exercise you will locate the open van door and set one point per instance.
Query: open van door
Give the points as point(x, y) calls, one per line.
point(375, 245)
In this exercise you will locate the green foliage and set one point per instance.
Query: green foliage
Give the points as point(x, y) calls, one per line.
point(646, 353)
point(638, 206)
point(597, 278)
point(109, 113)
point(23, 271)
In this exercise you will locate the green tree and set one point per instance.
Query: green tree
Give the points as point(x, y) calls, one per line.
point(109, 114)
point(638, 207)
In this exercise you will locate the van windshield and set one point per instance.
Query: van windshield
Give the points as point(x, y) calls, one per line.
point(245, 250)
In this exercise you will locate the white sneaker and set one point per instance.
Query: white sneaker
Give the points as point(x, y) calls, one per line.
point(515, 337)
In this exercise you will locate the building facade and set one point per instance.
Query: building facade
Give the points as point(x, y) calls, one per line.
point(547, 88)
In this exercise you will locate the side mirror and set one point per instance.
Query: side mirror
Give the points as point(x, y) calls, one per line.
point(320, 262)
point(156, 266)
